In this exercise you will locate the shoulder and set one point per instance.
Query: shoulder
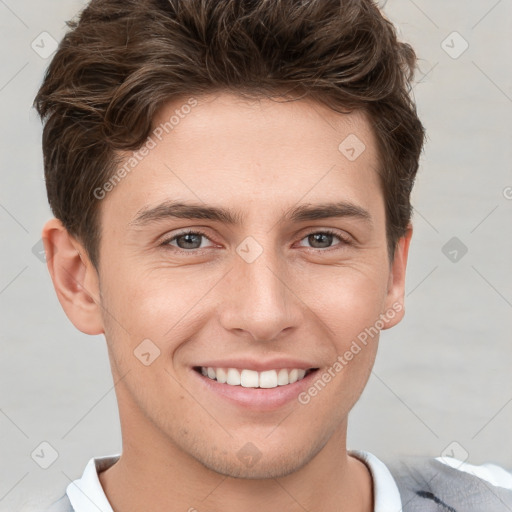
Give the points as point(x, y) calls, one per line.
point(446, 484)
point(491, 473)
point(61, 505)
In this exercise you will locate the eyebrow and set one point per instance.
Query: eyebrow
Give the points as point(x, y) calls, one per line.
point(304, 212)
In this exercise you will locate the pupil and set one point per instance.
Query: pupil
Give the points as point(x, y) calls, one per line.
point(188, 240)
point(318, 236)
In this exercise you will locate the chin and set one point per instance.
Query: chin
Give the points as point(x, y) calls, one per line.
point(247, 463)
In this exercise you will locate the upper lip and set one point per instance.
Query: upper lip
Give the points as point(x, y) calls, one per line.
point(258, 365)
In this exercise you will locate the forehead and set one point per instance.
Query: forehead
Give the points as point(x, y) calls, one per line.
point(226, 118)
point(222, 147)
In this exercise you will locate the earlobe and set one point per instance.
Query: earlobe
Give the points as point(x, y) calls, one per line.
point(394, 304)
point(74, 278)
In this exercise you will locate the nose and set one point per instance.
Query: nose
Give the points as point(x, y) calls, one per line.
point(259, 298)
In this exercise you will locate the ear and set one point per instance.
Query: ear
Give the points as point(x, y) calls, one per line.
point(395, 299)
point(74, 278)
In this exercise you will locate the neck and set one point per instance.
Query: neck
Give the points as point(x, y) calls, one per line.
point(157, 475)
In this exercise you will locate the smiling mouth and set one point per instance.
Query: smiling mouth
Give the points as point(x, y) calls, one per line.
point(252, 379)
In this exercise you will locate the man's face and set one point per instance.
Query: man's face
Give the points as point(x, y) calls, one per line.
point(269, 291)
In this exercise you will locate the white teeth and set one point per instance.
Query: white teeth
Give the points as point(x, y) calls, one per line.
point(268, 379)
point(222, 376)
point(282, 377)
point(249, 379)
point(233, 377)
point(253, 379)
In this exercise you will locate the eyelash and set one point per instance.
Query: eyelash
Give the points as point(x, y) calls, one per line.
point(343, 240)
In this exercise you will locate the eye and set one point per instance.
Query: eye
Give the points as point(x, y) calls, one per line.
point(323, 239)
point(186, 240)
point(189, 241)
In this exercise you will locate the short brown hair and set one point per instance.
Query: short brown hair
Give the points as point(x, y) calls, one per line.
point(123, 59)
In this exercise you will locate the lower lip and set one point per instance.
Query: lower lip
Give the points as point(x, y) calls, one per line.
point(259, 399)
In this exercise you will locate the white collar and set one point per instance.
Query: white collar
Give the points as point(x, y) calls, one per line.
point(86, 493)
point(386, 495)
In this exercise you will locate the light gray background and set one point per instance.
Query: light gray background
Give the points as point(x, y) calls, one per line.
point(442, 376)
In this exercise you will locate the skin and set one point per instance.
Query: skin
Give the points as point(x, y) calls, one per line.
point(301, 298)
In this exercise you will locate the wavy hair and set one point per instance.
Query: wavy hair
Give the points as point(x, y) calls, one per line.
point(123, 59)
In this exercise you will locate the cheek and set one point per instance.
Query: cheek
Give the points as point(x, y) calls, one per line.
point(149, 303)
point(348, 303)
point(347, 300)
point(161, 307)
